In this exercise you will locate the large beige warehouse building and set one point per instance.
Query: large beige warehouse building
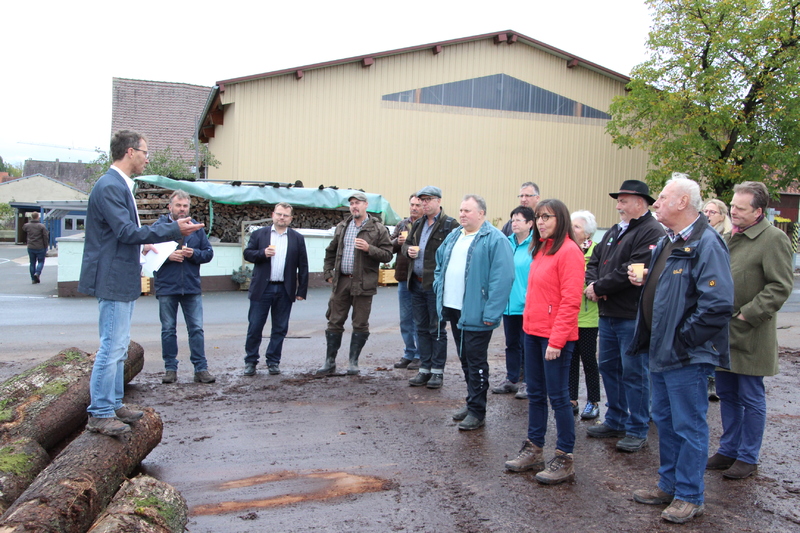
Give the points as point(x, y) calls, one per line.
point(475, 115)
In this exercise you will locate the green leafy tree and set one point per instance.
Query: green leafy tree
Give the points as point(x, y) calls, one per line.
point(719, 97)
point(162, 163)
point(13, 170)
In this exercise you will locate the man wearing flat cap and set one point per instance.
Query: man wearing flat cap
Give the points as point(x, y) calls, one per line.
point(360, 244)
point(625, 378)
point(425, 237)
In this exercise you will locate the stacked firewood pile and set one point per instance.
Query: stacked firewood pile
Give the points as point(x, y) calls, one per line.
point(152, 202)
point(42, 413)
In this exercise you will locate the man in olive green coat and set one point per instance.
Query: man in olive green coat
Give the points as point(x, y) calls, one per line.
point(762, 264)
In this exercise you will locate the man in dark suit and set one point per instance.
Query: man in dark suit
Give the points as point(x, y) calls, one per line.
point(111, 271)
point(280, 277)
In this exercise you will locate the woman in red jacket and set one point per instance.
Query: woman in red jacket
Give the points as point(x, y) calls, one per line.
point(550, 322)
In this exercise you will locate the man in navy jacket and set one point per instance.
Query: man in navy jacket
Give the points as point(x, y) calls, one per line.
point(111, 271)
point(178, 283)
point(280, 277)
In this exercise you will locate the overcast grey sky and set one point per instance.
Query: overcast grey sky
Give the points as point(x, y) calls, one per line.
point(60, 57)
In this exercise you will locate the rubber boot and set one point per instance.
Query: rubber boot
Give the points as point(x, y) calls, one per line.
point(334, 341)
point(357, 342)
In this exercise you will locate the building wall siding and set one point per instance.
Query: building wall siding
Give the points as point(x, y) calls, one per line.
point(333, 128)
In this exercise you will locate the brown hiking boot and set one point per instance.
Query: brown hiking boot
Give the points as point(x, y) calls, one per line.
point(170, 376)
point(530, 457)
point(680, 512)
point(128, 415)
point(559, 470)
point(107, 426)
point(654, 496)
point(204, 376)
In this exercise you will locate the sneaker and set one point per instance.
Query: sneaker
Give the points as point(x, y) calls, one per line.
point(505, 387)
point(680, 512)
point(470, 423)
point(413, 365)
point(436, 381)
point(740, 470)
point(654, 496)
point(170, 376)
point(204, 376)
point(420, 379)
point(249, 369)
point(522, 391)
point(274, 370)
point(602, 431)
point(631, 444)
point(128, 415)
point(461, 414)
point(107, 426)
point(719, 462)
point(591, 411)
point(712, 389)
point(530, 458)
point(559, 470)
point(402, 363)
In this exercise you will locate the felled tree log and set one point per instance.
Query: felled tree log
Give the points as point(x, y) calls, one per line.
point(48, 402)
point(73, 490)
point(144, 505)
point(20, 461)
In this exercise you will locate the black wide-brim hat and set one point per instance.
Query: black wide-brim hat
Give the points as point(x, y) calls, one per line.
point(639, 188)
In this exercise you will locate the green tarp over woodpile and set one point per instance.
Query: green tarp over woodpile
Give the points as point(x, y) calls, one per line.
point(224, 193)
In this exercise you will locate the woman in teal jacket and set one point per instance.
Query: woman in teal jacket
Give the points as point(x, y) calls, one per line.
point(521, 225)
point(584, 225)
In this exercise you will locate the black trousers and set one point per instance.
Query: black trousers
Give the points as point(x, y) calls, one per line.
point(473, 351)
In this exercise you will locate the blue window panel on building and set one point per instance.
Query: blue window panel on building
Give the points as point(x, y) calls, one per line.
point(499, 92)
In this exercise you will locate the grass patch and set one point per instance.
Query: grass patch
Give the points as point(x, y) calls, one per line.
point(14, 462)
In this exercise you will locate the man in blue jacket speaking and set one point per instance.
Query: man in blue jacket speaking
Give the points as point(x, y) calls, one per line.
point(178, 283)
point(473, 278)
point(111, 271)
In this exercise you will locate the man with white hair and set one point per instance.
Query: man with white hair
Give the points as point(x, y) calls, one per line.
point(682, 329)
point(625, 379)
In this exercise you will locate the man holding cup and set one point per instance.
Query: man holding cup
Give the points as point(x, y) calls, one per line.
point(625, 378)
point(424, 238)
point(408, 330)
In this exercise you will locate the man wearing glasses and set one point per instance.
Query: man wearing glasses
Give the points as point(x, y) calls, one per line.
point(111, 271)
point(425, 237)
point(280, 276)
point(528, 197)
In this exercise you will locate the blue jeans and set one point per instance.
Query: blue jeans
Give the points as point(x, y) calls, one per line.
point(192, 305)
point(107, 384)
point(36, 260)
point(680, 403)
point(408, 330)
point(276, 300)
point(626, 378)
point(743, 408)
point(431, 332)
point(549, 379)
point(515, 354)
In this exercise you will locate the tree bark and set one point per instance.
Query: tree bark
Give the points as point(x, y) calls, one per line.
point(48, 402)
point(144, 505)
point(75, 488)
point(20, 461)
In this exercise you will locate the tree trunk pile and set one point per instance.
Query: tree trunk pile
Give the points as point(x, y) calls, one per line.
point(48, 402)
point(73, 490)
point(152, 202)
point(144, 505)
point(42, 407)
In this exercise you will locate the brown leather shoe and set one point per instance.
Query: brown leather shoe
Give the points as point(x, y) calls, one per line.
point(740, 470)
point(719, 462)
